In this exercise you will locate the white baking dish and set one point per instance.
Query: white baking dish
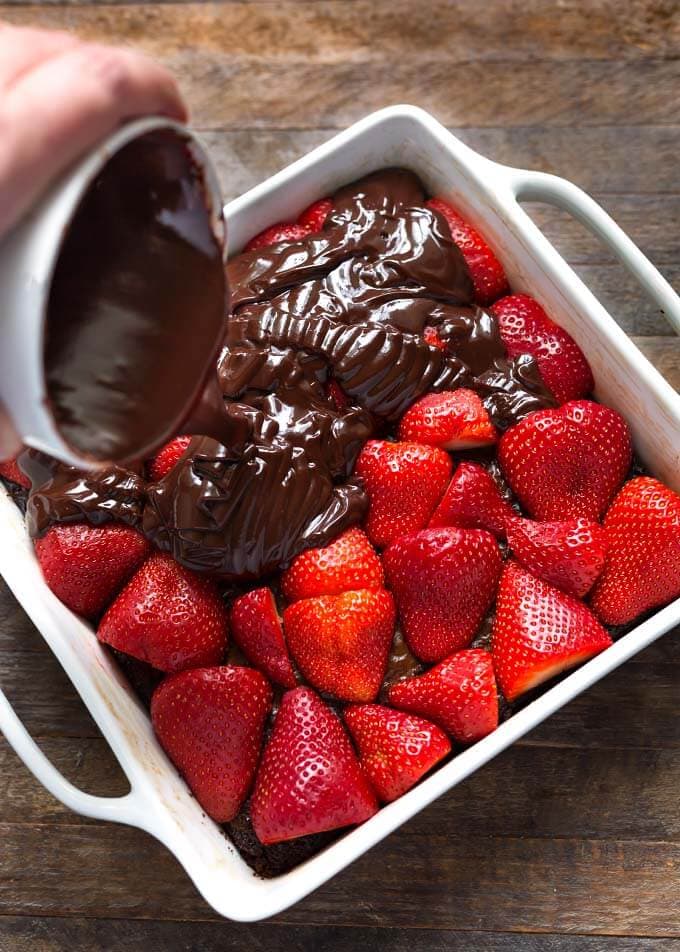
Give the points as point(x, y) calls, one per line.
point(159, 802)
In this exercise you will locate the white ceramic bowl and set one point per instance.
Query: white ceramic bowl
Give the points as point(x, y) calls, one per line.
point(487, 193)
point(28, 257)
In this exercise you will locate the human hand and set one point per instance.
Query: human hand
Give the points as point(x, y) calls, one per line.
point(59, 97)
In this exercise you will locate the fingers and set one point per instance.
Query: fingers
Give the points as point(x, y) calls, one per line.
point(23, 48)
point(10, 444)
point(61, 108)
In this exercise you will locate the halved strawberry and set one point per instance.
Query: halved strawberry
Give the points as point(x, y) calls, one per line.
point(404, 482)
point(431, 336)
point(459, 695)
point(309, 779)
point(210, 723)
point(527, 329)
point(348, 562)
point(452, 419)
point(567, 462)
point(569, 555)
point(85, 566)
point(539, 631)
point(488, 277)
point(395, 749)
point(288, 231)
point(473, 501)
point(315, 215)
point(642, 569)
point(167, 457)
point(444, 581)
point(256, 627)
point(168, 616)
point(341, 643)
point(337, 395)
point(9, 469)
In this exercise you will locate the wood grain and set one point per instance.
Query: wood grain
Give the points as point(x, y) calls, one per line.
point(75, 934)
point(246, 66)
point(593, 886)
point(460, 32)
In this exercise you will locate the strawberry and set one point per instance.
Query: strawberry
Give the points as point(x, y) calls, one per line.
point(341, 643)
point(432, 338)
point(256, 627)
point(9, 469)
point(404, 483)
point(473, 501)
point(488, 277)
point(86, 565)
point(567, 462)
point(309, 779)
point(315, 215)
point(526, 329)
point(210, 723)
point(539, 632)
point(348, 562)
point(452, 420)
point(459, 694)
point(642, 569)
point(167, 457)
point(569, 555)
point(337, 395)
point(288, 231)
point(395, 749)
point(168, 616)
point(444, 581)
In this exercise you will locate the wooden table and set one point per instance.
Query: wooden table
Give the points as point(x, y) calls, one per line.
point(570, 840)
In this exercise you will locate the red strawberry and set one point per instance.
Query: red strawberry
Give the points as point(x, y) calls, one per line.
point(642, 569)
point(569, 555)
point(488, 277)
point(9, 469)
point(539, 632)
point(395, 749)
point(210, 722)
point(459, 694)
point(256, 627)
point(404, 482)
point(348, 562)
point(316, 214)
point(567, 462)
point(341, 643)
point(288, 231)
point(168, 616)
point(431, 337)
point(309, 778)
point(167, 457)
point(337, 395)
point(86, 565)
point(527, 329)
point(443, 582)
point(453, 420)
point(473, 501)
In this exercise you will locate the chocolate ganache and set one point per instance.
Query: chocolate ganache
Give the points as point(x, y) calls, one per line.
point(348, 304)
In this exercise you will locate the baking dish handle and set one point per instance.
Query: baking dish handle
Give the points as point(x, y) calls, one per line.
point(530, 186)
point(123, 809)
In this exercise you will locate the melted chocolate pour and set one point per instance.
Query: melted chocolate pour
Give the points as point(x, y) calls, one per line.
point(348, 304)
point(139, 270)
